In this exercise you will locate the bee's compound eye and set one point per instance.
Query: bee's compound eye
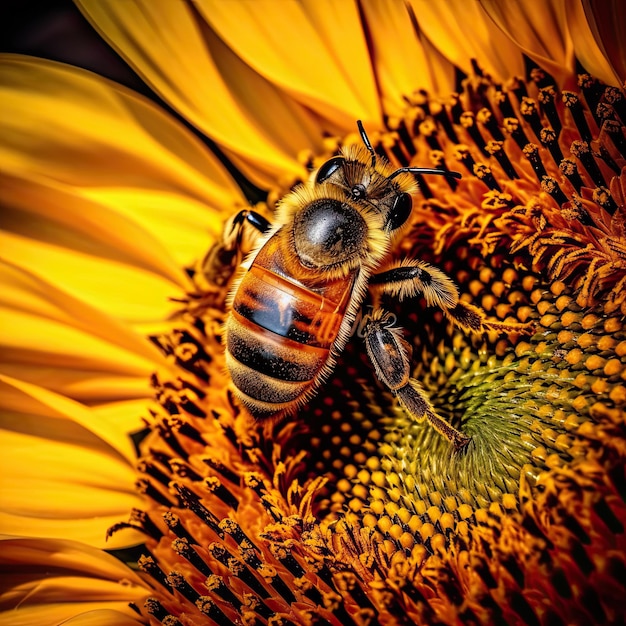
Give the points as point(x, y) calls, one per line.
point(400, 211)
point(329, 168)
point(327, 232)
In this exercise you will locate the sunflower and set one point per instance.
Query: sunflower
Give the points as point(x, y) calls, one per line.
point(136, 490)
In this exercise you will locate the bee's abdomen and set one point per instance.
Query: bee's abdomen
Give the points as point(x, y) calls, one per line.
point(278, 339)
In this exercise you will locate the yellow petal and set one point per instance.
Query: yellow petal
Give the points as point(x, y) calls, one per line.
point(66, 471)
point(599, 30)
point(316, 52)
point(461, 31)
point(540, 31)
point(195, 72)
point(38, 318)
point(114, 288)
point(402, 58)
point(87, 584)
point(80, 134)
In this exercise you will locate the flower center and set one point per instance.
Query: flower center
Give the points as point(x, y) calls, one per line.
point(352, 512)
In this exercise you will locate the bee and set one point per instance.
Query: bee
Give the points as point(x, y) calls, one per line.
point(293, 309)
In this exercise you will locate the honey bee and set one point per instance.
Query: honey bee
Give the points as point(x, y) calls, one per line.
point(294, 307)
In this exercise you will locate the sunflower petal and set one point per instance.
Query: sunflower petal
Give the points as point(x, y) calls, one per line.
point(599, 31)
point(397, 50)
point(158, 39)
point(316, 52)
point(462, 32)
point(97, 139)
point(40, 319)
point(86, 587)
point(540, 31)
point(43, 430)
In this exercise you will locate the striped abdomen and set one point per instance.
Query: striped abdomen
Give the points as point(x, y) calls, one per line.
point(279, 334)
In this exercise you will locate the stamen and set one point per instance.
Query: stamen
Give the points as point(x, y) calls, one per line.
point(572, 102)
point(183, 549)
point(531, 151)
point(488, 120)
point(468, 121)
point(174, 523)
point(582, 151)
point(210, 609)
point(547, 99)
point(549, 139)
point(528, 110)
point(496, 149)
point(569, 168)
point(513, 127)
point(148, 564)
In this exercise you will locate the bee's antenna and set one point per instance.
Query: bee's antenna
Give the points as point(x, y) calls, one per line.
point(425, 170)
point(366, 141)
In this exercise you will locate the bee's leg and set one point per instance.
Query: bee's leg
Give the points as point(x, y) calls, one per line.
point(391, 356)
point(414, 277)
point(222, 259)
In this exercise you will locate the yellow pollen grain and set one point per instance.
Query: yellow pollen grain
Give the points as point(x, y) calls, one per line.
point(447, 521)
point(355, 505)
point(360, 491)
point(404, 515)
point(565, 336)
point(407, 541)
point(522, 348)
point(503, 309)
point(475, 287)
point(528, 282)
point(613, 367)
point(377, 493)
point(415, 523)
point(392, 508)
point(589, 321)
point(363, 477)
point(427, 530)
point(377, 507)
point(409, 483)
point(369, 520)
point(548, 320)
point(438, 543)
point(509, 276)
point(562, 302)
point(568, 318)
point(618, 394)
point(509, 501)
point(488, 301)
point(594, 362)
point(574, 356)
point(557, 287)
point(586, 340)
point(395, 494)
point(620, 349)
point(543, 306)
point(524, 312)
point(396, 531)
point(579, 403)
point(497, 288)
point(581, 381)
point(606, 342)
point(379, 478)
point(612, 325)
point(384, 524)
point(465, 511)
point(486, 275)
point(343, 485)
point(536, 296)
point(373, 463)
point(434, 513)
